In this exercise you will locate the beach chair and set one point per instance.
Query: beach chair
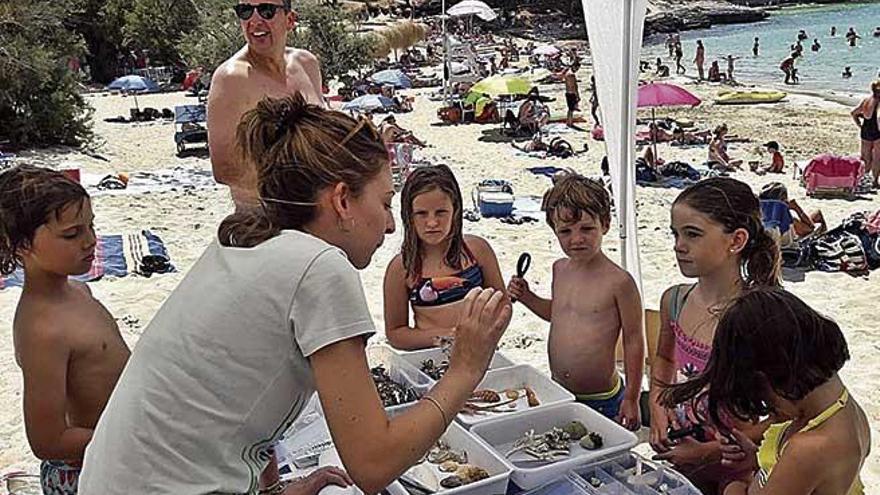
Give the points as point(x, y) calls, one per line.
point(831, 175)
point(776, 217)
point(401, 156)
point(190, 126)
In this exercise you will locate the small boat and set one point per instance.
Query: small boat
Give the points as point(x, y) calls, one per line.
point(749, 97)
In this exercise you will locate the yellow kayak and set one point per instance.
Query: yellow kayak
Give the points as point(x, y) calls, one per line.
point(749, 97)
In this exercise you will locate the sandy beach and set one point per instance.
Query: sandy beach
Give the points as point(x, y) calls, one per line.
point(186, 219)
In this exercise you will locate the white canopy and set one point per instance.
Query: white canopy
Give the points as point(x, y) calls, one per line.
point(615, 33)
point(472, 7)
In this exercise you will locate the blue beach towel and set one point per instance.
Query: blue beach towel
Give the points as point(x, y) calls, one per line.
point(117, 255)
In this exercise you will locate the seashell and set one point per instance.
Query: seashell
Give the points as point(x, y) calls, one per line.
point(451, 482)
point(592, 441)
point(512, 394)
point(486, 395)
point(448, 466)
point(575, 430)
point(470, 473)
point(532, 398)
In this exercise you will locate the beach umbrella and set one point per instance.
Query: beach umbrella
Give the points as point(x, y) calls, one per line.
point(394, 77)
point(134, 83)
point(472, 7)
point(548, 50)
point(368, 103)
point(503, 85)
point(653, 95)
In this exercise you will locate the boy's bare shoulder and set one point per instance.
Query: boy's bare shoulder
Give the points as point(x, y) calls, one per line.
point(38, 322)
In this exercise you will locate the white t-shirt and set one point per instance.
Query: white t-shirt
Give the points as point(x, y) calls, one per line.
point(222, 369)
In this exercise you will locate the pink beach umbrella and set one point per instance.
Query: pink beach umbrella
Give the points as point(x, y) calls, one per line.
point(653, 95)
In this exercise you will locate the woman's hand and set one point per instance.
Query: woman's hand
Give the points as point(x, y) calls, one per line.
point(485, 314)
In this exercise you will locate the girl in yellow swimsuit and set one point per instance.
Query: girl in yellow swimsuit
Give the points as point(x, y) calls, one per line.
point(774, 356)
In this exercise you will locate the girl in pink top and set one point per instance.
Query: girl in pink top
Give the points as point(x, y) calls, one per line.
point(720, 241)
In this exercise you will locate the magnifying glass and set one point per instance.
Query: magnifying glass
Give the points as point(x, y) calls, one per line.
point(522, 266)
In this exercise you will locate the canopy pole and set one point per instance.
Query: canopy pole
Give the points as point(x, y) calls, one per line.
point(446, 69)
point(625, 130)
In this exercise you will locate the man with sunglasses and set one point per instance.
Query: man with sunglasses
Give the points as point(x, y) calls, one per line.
point(265, 66)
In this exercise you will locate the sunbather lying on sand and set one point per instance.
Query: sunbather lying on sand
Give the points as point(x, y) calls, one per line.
point(680, 137)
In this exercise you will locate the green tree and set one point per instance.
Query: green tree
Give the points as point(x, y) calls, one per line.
point(216, 37)
point(159, 26)
point(329, 33)
point(100, 23)
point(40, 103)
point(335, 43)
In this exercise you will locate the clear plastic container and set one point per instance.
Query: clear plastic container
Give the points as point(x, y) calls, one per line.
point(416, 358)
point(399, 370)
point(638, 476)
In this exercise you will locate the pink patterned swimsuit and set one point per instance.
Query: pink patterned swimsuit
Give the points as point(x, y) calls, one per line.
point(691, 355)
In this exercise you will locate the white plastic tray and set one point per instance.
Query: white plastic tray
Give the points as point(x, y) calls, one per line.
point(501, 433)
point(399, 370)
point(416, 358)
point(458, 438)
point(547, 391)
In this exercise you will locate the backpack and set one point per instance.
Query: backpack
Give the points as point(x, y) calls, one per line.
point(840, 252)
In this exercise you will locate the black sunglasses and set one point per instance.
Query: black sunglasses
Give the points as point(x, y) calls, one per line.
point(244, 11)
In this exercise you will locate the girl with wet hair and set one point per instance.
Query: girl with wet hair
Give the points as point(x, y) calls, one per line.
point(774, 355)
point(437, 266)
point(720, 241)
point(273, 311)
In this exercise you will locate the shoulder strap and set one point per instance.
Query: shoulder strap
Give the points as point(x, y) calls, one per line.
point(678, 303)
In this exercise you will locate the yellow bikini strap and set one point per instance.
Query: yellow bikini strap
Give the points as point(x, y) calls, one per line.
point(827, 413)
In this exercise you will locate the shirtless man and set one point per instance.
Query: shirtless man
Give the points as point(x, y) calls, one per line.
point(263, 67)
point(593, 302)
point(571, 92)
point(66, 342)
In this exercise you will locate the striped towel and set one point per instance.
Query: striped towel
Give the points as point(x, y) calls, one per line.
point(117, 255)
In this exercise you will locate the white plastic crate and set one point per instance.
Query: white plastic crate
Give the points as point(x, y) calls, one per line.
point(416, 358)
point(547, 391)
point(478, 453)
point(399, 370)
point(501, 433)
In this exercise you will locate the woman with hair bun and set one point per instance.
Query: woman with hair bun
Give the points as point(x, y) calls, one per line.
point(273, 311)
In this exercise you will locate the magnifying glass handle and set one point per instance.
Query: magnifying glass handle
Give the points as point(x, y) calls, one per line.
point(522, 267)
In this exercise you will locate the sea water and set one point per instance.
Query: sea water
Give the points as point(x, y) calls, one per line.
point(819, 72)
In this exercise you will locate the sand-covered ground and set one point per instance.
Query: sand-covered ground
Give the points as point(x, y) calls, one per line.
point(187, 219)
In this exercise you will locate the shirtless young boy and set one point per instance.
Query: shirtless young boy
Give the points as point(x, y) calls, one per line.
point(67, 344)
point(593, 301)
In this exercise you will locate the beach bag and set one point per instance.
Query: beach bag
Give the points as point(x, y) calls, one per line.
point(796, 256)
point(560, 148)
point(679, 169)
point(644, 173)
point(840, 251)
